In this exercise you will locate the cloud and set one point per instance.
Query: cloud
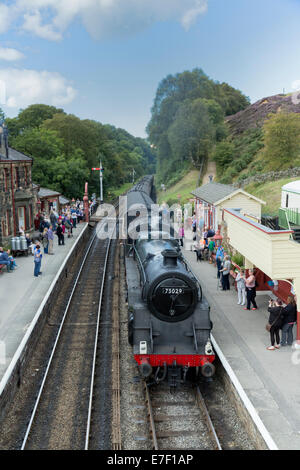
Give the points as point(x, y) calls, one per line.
point(25, 87)
point(4, 18)
point(49, 19)
point(33, 24)
point(10, 54)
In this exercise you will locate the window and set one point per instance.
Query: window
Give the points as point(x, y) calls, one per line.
point(30, 216)
point(21, 218)
point(26, 175)
point(17, 182)
point(6, 225)
point(5, 171)
point(287, 201)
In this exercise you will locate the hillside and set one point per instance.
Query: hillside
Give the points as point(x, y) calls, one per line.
point(255, 114)
point(263, 137)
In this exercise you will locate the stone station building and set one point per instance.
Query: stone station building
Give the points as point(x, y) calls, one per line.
point(18, 196)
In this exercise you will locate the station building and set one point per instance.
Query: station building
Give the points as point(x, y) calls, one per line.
point(212, 198)
point(18, 196)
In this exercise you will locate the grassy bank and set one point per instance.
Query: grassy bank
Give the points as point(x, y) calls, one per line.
point(269, 192)
point(184, 187)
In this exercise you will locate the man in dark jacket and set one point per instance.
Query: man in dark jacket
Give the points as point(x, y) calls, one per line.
point(289, 319)
point(60, 234)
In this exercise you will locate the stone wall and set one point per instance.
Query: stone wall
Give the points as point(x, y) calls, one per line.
point(271, 176)
point(24, 196)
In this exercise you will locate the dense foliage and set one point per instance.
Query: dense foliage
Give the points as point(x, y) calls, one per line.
point(275, 145)
point(65, 148)
point(188, 119)
point(237, 154)
point(282, 140)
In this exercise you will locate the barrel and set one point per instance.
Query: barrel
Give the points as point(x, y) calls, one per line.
point(18, 243)
point(13, 243)
point(23, 243)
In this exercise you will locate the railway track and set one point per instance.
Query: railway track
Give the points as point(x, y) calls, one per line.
point(62, 414)
point(180, 421)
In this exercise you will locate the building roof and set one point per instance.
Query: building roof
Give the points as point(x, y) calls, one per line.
point(293, 187)
point(63, 200)
point(216, 193)
point(14, 155)
point(213, 192)
point(45, 192)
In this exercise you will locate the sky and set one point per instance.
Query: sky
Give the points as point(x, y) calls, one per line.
point(104, 59)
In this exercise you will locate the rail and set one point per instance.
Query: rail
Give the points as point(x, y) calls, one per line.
point(54, 348)
point(95, 349)
point(205, 417)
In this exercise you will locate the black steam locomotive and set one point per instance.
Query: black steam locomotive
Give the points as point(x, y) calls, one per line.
point(169, 322)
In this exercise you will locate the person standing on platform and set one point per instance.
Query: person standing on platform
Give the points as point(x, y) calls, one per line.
point(60, 234)
point(37, 261)
point(211, 247)
point(45, 240)
point(74, 217)
point(181, 234)
point(225, 273)
point(219, 259)
point(50, 240)
point(53, 220)
point(289, 319)
point(275, 310)
point(241, 287)
point(250, 291)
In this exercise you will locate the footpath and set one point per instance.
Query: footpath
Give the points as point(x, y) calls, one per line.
point(271, 379)
point(21, 294)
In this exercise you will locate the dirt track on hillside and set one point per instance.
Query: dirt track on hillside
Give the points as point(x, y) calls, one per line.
point(211, 170)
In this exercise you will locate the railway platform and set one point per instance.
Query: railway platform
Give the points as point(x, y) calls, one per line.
point(271, 379)
point(22, 294)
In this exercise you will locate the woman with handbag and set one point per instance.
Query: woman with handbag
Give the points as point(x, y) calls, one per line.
point(274, 325)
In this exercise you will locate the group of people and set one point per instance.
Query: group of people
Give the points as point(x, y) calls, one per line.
point(281, 318)
point(59, 224)
point(6, 259)
point(55, 224)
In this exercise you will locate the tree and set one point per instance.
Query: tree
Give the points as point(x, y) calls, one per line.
point(192, 133)
point(282, 140)
point(36, 114)
point(224, 154)
point(188, 118)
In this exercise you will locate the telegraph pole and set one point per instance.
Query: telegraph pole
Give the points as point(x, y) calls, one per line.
point(133, 175)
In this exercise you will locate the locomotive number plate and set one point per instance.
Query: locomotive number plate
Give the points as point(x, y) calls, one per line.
point(172, 290)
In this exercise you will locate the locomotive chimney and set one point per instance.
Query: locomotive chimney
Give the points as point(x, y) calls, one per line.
point(170, 257)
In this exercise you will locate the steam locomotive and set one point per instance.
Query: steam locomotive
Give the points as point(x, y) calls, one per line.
point(168, 316)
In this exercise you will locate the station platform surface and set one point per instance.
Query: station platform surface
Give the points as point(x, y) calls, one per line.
point(21, 295)
point(271, 379)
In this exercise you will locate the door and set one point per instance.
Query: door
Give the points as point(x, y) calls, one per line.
point(21, 217)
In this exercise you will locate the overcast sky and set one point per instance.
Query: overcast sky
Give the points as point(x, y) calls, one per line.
point(103, 59)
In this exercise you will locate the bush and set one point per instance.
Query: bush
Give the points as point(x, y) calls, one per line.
point(238, 259)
